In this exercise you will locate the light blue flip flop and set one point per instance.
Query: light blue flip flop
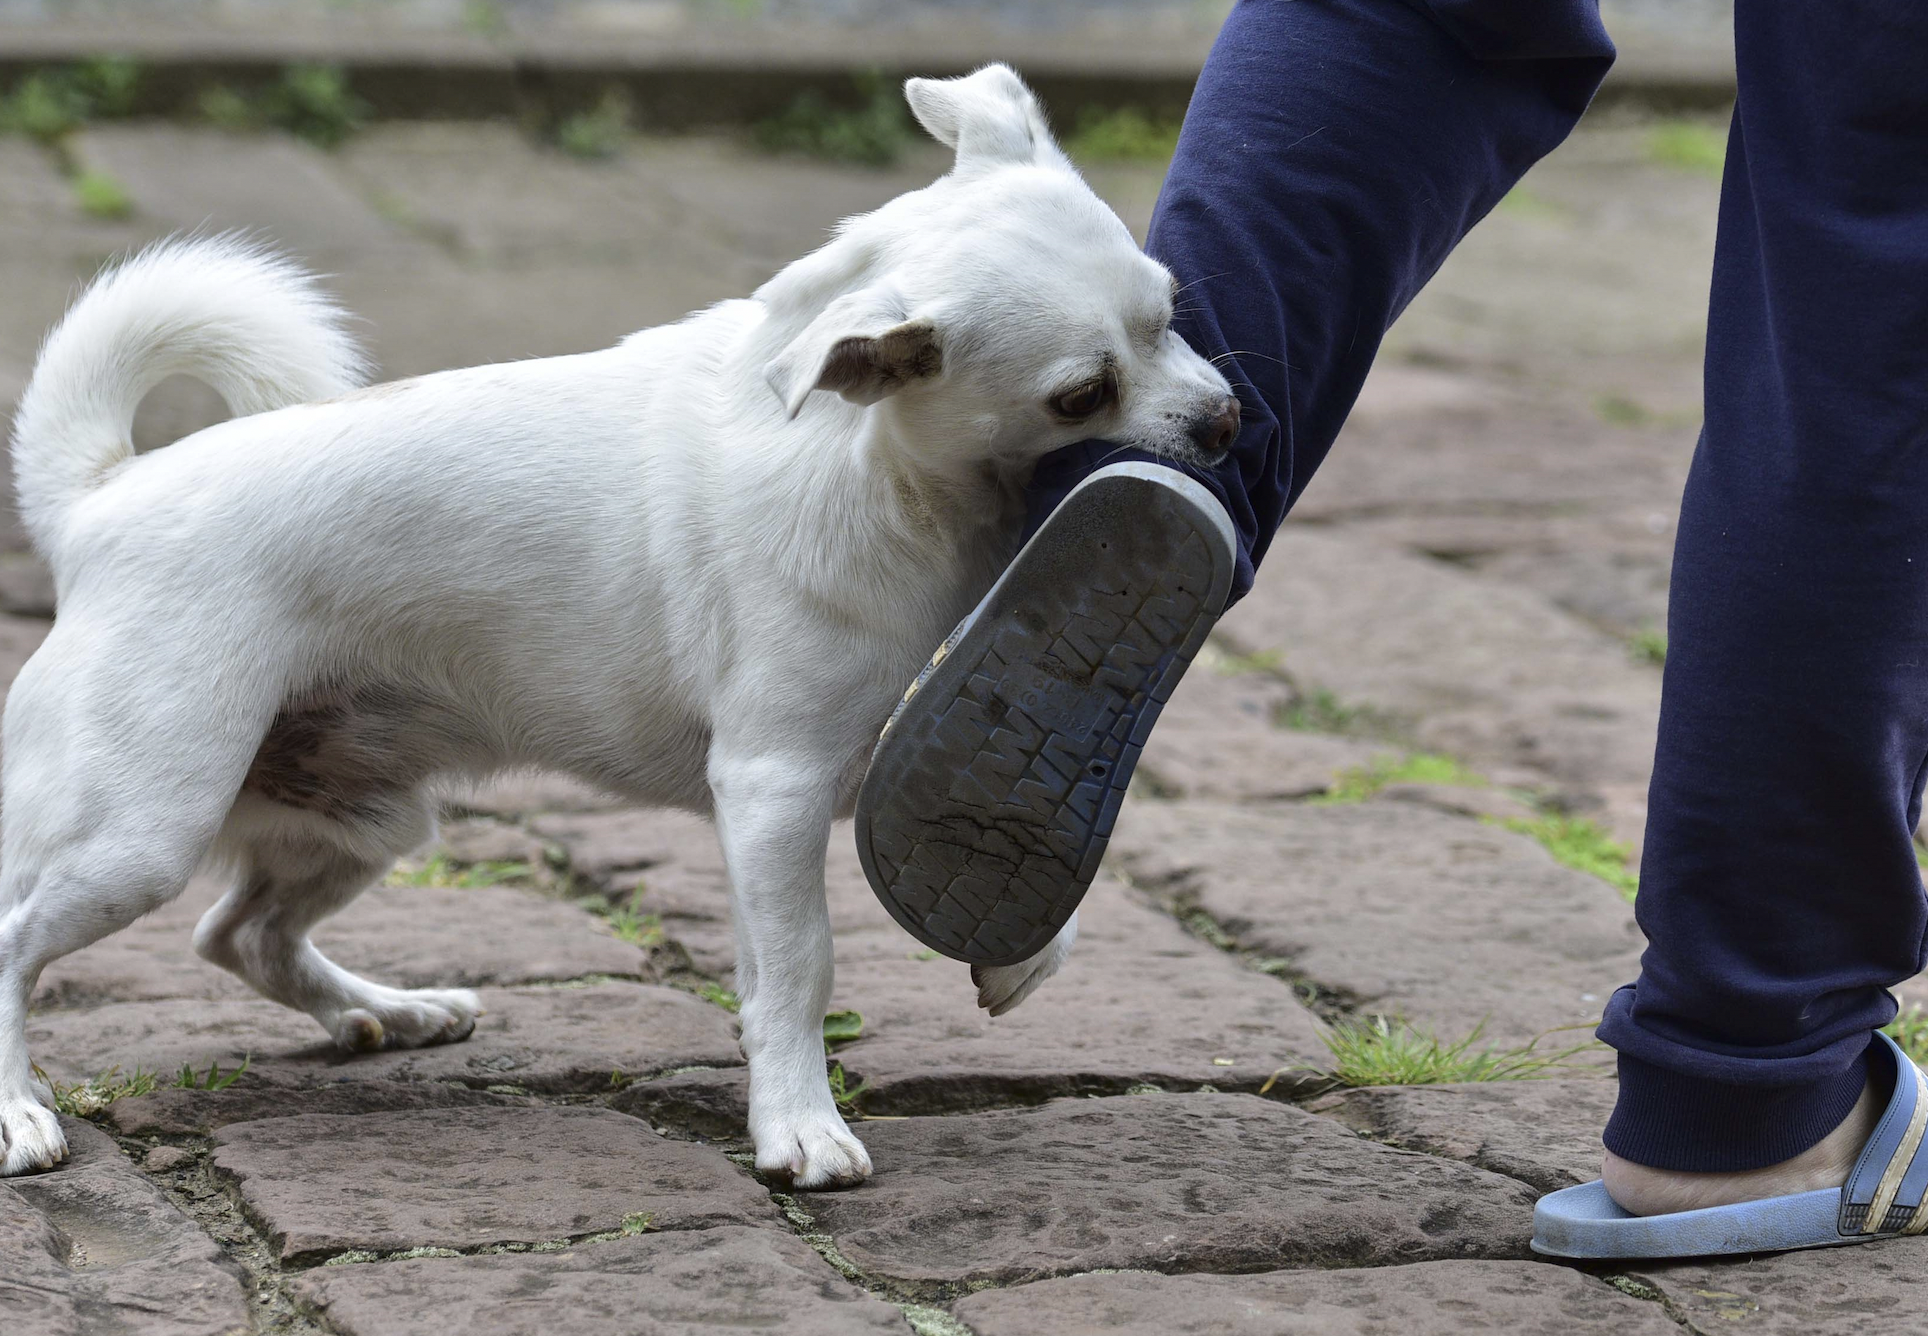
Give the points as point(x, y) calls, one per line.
point(1882, 1199)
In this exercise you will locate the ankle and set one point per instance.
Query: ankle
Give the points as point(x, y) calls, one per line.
point(1644, 1190)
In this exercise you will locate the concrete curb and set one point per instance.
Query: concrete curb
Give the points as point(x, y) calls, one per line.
point(719, 73)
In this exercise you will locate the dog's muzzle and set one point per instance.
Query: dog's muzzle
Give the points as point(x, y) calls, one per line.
point(1213, 434)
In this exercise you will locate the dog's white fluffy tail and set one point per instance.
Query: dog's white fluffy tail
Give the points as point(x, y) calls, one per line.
point(253, 325)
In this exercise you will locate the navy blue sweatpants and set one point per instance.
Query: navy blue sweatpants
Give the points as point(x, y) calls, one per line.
point(1334, 153)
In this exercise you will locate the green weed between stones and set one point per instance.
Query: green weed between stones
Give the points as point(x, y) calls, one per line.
point(844, 1093)
point(1361, 782)
point(87, 1098)
point(874, 134)
point(311, 102)
point(1648, 646)
point(1223, 661)
point(1617, 410)
point(717, 995)
point(1126, 134)
point(1322, 711)
point(439, 871)
point(212, 1079)
point(101, 196)
point(485, 19)
point(1910, 1030)
point(1692, 146)
point(49, 104)
point(1382, 1051)
point(599, 132)
point(1582, 845)
point(629, 924)
point(1523, 203)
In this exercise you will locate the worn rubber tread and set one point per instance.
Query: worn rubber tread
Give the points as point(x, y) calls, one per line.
point(992, 793)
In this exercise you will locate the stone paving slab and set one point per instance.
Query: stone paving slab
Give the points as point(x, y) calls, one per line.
point(404, 936)
point(1423, 1299)
point(1485, 671)
point(1197, 1182)
point(550, 1040)
point(1403, 910)
point(97, 1248)
point(320, 1184)
point(1217, 739)
point(708, 1104)
point(1868, 1289)
point(1139, 1002)
point(1546, 1133)
point(704, 1283)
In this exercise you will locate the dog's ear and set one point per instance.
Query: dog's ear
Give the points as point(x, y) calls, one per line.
point(989, 117)
point(861, 346)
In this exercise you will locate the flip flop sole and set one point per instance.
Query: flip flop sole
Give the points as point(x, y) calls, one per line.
point(992, 793)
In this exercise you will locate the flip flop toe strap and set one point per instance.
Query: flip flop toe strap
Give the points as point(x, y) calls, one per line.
point(1888, 1191)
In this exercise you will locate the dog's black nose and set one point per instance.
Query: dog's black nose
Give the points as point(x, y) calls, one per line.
point(1214, 435)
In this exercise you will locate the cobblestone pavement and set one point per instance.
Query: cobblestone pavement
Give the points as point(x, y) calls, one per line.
point(1469, 578)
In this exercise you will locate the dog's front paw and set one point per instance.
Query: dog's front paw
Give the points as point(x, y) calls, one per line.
point(812, 1152)
point(413, 1019)
point(30, 1136)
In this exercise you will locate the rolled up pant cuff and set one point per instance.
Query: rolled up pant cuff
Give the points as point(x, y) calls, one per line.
point(1689, 1124)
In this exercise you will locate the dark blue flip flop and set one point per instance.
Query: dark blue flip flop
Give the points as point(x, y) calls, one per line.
point(1882, 1199)
point(992, 792)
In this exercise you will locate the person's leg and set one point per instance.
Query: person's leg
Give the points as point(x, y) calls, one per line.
point(1333, 155)
point(1779, 889)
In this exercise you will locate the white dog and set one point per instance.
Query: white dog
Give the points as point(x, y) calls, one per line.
point(668, 568)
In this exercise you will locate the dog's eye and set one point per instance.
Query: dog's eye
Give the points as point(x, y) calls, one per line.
point(1082, 401)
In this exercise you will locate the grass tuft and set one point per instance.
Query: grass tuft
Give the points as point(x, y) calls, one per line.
point(598, 133)
point(89, 1097)
point(1648, 646)
point(484, 18)
point(874, 134)
point(718, 995)
point(846, 1095)
point(1617, 410)
point(313, 102)
point(225, 109)
point(49, 104)
point(641, 930)
point(1380, 1051)
point(1691, 146)
point(213, 1079)
point(1126, 134)
point(1910, 1030)
point(1523, 203)
point(1228, 664)
point(101, 196)
point(1321, 711)
point(1582, 845)
point(439, 871)
point(1361, 782)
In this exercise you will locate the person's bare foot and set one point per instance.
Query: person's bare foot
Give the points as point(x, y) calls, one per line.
point(1647, 1191)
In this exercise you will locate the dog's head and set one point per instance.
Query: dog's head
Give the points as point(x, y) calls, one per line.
point(1004, 311)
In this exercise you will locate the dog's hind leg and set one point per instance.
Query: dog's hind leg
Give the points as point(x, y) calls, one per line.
point(290, 879)
point(773, 817)
point(116, 782)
